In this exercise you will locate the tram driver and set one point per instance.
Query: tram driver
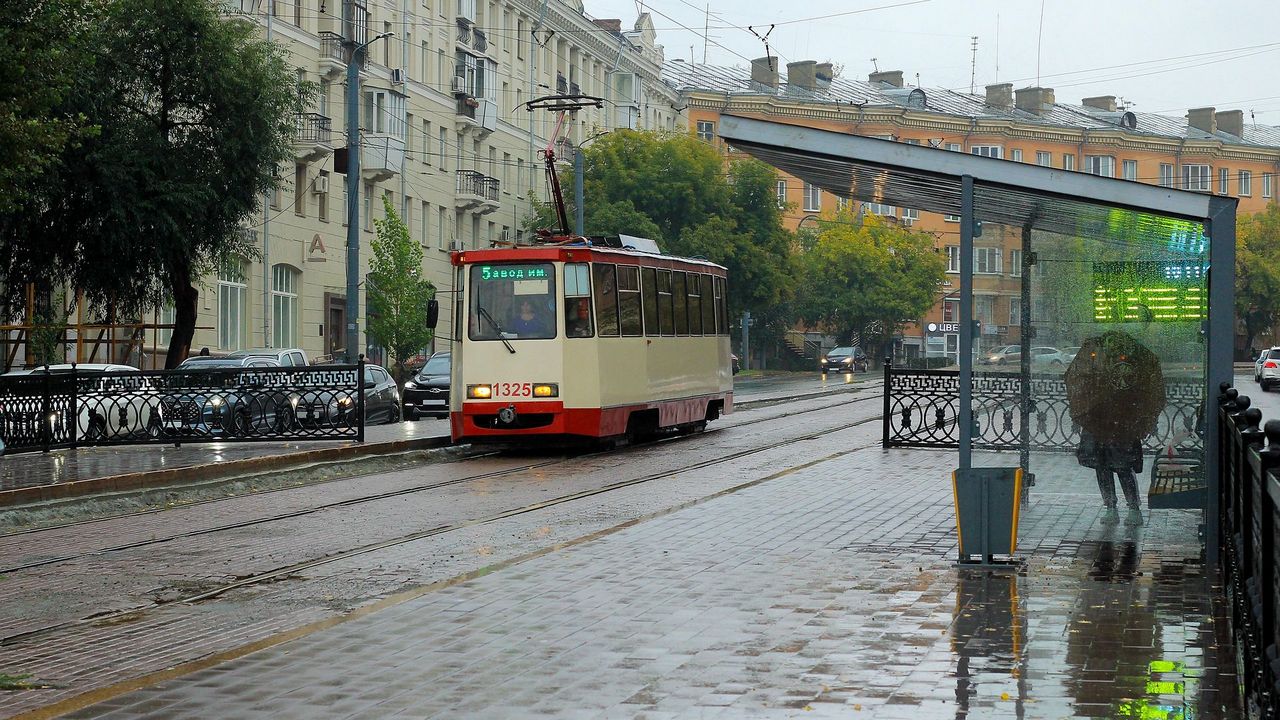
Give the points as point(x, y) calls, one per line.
point(528, 322)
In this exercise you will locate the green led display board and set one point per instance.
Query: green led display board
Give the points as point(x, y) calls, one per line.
point(514, 272)
point(1157, 291)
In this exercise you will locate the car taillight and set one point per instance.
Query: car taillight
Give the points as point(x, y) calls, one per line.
point(1270, 364)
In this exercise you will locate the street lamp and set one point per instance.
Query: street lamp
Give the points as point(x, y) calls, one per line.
point(353, 188)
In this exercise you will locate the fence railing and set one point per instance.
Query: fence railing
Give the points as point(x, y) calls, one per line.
point(471, 182)
point(312, 128)
point(50, 409)
point(922, 409)
point(1249, 519)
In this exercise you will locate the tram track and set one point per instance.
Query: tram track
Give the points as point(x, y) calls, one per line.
point(286, 571)
point(349, 501)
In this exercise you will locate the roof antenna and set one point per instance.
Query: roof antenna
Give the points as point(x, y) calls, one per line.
point(973, 61)
point(1039, 37)
point(765, 39)
point(875, 65)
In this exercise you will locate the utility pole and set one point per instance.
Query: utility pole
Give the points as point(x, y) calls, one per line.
point(746, 339)
point(577, 191)
point(266, 229)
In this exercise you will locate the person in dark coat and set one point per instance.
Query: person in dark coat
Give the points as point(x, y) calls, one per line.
point(1115, 393)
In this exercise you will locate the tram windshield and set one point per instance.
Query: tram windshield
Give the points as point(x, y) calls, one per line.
point(512, 301)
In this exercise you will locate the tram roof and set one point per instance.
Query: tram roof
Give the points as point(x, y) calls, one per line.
point(579, 253)
point(1005, 192)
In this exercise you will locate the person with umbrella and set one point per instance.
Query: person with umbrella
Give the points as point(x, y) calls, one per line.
point(1115, 393)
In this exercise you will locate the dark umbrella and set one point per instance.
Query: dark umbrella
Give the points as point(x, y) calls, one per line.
point(1115, 390)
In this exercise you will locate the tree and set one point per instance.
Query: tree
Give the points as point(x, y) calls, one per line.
point(398, 294)
point(869, 279)
point(1258, 271)
point(195, 114)
point(43, 50)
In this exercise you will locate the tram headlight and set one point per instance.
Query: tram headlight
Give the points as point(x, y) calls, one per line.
point(480, 392)
point(546, 390)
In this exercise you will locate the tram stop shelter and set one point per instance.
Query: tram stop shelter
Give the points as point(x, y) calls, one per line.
point(1119, 269)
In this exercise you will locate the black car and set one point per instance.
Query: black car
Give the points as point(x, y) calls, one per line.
point(427, 393)
point(844, 359)
point(330, 408)
point(224, 396)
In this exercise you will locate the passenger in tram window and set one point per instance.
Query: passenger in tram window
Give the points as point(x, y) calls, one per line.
point(528, 323)
point(577, 319)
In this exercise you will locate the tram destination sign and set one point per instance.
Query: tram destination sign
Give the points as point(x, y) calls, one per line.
point(508, 273)
point(1159, 291)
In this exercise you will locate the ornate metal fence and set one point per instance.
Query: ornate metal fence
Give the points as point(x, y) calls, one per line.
point(56, 408)
point(922, 408)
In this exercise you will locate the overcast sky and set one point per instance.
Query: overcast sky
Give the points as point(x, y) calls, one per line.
point(1160, 55)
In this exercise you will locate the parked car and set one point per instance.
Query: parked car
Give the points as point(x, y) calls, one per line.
point(1006, 355)
point(427, 393)
point(333, 407)
point(1048, 356)
point(1267, 368)
point(107, 406)
point(215, 397)
point(1069, 353)
point(286, 357)
point(1043, 355)
point(844, 359)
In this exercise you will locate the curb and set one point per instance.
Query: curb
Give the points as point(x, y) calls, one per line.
point(196, 474)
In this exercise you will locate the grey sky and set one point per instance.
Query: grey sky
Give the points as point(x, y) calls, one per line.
point(1228, 51)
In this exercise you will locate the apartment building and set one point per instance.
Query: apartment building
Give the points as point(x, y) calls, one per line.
point(1207, 151)
point(444, 134)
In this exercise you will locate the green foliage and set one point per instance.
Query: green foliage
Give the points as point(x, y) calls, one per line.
point(397, 293)
point(619, 217)
point(42, 52)
point(1258, 270)
point(48, 331)
point(195, 113)
point(858, 275)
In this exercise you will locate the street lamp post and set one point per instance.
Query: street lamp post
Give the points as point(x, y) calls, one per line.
point(352, 351)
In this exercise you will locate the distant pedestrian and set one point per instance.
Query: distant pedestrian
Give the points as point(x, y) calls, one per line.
point(204, 352)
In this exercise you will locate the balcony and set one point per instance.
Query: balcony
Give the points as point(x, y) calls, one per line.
point(480, 43)
point(562, 85)
point(464, 33)
point(476, 192)
point(311, 140)
point(333, 58)
point(476, 115)
point(381, 156)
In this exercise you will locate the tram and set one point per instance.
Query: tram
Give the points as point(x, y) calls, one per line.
point(576, 340)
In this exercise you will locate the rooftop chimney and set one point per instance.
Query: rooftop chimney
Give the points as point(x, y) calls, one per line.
point(614, 26)
point(825, 73)
point(1102, 102)
point(1035, 100)
point(1231, 121)
point(803, 74)
point(1203, 119)
point(765, 71)
point(889, 77)
point(1000, 96)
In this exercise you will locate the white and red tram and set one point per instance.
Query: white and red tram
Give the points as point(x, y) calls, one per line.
point(581, 341)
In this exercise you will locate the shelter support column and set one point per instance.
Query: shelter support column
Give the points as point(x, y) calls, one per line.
point(966, 322)
point(1221, 229)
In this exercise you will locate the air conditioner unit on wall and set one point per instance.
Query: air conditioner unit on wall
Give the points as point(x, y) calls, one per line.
point(397, 76)
point(320, 185)
point(459, 84)
point(456, 245)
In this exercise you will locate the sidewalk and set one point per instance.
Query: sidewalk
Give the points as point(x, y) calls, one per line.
point(829, 591)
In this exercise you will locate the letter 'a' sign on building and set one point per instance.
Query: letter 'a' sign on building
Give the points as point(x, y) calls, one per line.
point(943, 327)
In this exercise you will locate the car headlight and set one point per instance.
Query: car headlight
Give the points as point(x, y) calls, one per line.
point(345, 401)
point(847, 360)
point(216, 401)
point(293, 401)
point(410, 385)
point(824, 358)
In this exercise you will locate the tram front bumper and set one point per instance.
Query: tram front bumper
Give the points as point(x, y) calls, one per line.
point(497, 419)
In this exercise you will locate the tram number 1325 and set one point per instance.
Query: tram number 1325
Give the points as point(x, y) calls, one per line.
point(513, 389)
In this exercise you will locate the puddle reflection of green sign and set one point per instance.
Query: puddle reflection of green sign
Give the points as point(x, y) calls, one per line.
point(1158, 291)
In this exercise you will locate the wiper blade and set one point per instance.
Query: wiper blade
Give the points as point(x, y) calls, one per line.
point(485, 314)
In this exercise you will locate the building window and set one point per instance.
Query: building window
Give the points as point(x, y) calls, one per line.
point(910, 216)
point(322, 198)
point(1166, 175)
point(1015, 155)
point(232, 289)
point(842, 204)
point(425, 234)
point(440, 233)
point(782, 194)
point(950, 310)
point(986, 260)
point(1015, 263)
point(881, 209)
point(953, 147)
point(1068, 161)
point(1130, 169)
point(1104, 165)
point(168, 315)
point(1015, 311)
point(444, 148)
point(812, 198)
point(1196, 177)
point(1246, 183)
point(1223, 176)
point(284, 306)
point(1044, 159)
point(1266, 184)
point(300, 190)
point(953, 258)
point(951, 218)
point(706, 130)
point(991, 151)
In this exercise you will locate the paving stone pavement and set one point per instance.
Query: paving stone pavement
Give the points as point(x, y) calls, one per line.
point(826, 592)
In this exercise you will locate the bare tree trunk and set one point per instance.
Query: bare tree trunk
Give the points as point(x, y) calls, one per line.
point(185, 297)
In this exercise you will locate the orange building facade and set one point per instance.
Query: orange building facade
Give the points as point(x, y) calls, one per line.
point(1207, 151)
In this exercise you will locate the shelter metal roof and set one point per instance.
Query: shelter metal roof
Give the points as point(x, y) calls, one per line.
point(1005, 192)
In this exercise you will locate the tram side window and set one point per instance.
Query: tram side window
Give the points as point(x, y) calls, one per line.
point(606, 299)
point(680, 294)
point(577, 300)
point(708, 306)
point(722, 314)
point(649, 279)
point(666, 319)
point(629, 301)
point(695, 304)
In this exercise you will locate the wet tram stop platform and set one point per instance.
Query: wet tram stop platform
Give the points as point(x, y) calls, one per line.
point(830, 591)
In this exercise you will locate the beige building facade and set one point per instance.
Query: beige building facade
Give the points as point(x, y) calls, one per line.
point(444, 136)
